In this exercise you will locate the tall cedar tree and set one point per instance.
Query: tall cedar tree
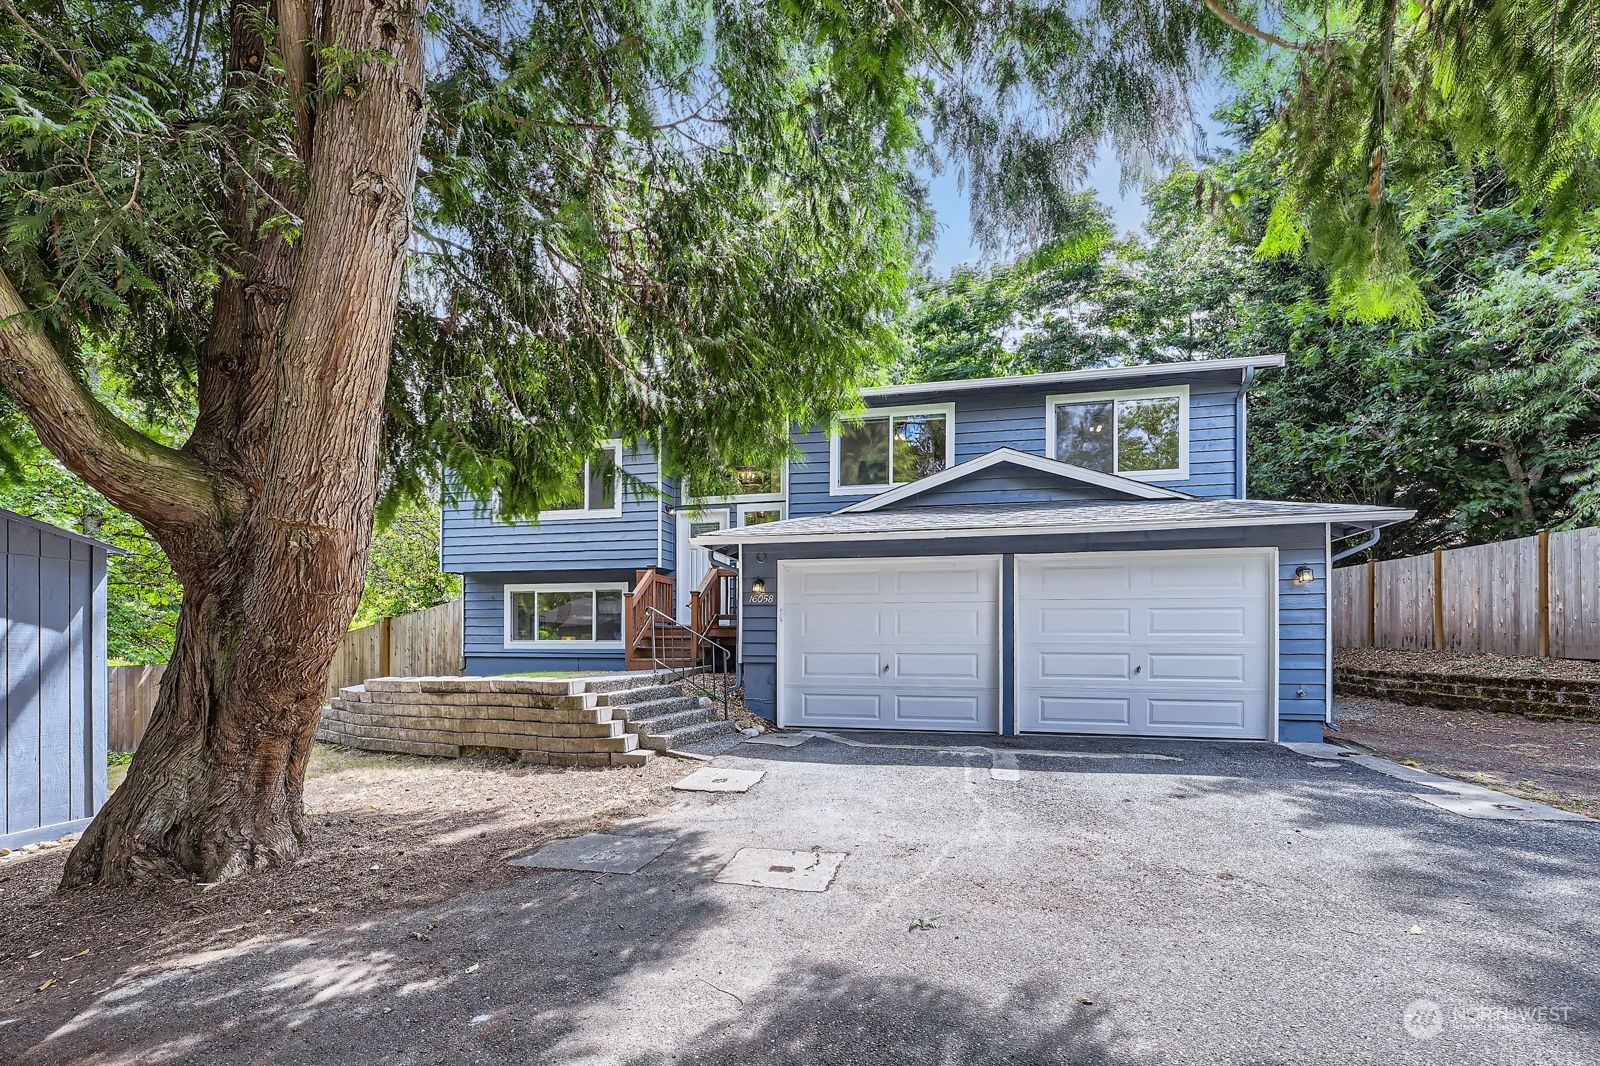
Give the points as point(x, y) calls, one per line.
point(376, 245)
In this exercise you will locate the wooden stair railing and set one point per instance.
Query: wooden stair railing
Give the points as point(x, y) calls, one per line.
point(713, 606)
point(652, 590)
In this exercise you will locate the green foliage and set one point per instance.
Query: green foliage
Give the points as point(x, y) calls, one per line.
point(403, 572)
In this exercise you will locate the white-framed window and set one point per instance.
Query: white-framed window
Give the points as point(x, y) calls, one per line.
point(1141, 433)
point(568, 616)
point(889, 446)
point(756, 484)
point(759, 514)
point(598, 491)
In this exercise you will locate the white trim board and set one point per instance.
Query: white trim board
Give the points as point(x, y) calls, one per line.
point(1067, 377)
point(1380, 517)
point(1027, 460)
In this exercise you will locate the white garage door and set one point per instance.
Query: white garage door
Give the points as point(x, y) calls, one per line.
point(890, 643)
point(1145, 643)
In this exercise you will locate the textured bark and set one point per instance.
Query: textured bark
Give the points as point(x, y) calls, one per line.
point(289, 440)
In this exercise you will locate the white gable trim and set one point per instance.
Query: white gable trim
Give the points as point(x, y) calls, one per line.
point(1055, 468)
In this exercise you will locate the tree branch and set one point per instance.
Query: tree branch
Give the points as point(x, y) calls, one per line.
point(1237, 23)
point(159, 486)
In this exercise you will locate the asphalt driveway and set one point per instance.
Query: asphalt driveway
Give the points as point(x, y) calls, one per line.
point(1110, 902)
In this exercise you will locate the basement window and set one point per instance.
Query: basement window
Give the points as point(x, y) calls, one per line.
point(565, 615)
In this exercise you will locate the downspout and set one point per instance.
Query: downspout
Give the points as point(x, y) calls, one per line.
point(1238, 438)
point(661, 551)
point(1372, 538)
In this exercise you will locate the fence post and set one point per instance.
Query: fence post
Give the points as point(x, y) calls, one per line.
point(1372, 603)
point(1544, 594)
point(385, 648)
point(1438, 599)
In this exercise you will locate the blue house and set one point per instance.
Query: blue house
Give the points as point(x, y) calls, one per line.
point(1069, 552)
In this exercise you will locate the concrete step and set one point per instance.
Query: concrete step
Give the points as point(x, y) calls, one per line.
point(643, 694)
point(634, 713)
point(663, 723)
point(687, 737)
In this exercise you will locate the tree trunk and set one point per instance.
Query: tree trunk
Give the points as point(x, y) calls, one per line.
point(272, 574)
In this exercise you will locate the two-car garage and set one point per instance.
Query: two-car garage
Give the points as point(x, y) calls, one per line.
point(1150, 643)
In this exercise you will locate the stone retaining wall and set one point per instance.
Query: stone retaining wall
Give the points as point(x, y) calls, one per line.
point(1532, 697)
point(558, 721)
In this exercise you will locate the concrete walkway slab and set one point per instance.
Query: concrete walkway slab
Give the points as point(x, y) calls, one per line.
point(720, 779)
point(796, 871)
point(601, 853)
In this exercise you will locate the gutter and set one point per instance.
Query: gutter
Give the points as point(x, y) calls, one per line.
point(1245, 379)
point(1373, 538)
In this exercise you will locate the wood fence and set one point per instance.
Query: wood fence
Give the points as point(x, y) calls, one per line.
point(1534, 596)
point(421, 644)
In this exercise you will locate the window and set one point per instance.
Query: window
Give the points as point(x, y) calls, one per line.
point(892, 447)
point(597, 490)
point(1142, 434)
point(563, 614)
point(759, 514)
point(751, 483)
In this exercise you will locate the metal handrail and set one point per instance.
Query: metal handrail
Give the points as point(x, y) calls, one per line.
point(722, 657)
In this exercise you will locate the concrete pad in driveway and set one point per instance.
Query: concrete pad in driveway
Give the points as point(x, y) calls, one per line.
point(720, 779)
point(796, 871)
point(599, 853)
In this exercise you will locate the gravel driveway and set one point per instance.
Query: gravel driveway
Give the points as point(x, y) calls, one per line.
point(1215, 903)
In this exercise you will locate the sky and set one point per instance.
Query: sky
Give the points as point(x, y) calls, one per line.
point(955, 245)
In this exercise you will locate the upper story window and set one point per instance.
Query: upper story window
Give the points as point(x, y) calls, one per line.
point(563, 614)
point(892, 446)
point(753, 483)
point(598, 489)
point(1141, 434)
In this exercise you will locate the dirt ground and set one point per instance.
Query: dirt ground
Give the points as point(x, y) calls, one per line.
point(1553, 762)
point(1504, 666)
point(391, 833)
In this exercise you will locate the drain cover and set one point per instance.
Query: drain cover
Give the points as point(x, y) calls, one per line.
point(797, 871)
point(715, 779)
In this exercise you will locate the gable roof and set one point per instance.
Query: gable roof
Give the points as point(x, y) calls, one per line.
point(998, 520)
point(1148, 373)
point(1138, 490)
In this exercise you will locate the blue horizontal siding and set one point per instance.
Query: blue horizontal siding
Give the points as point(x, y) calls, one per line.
point(476, 541)
point(1302, 613)
point(1008, 484)
point(1016, 418)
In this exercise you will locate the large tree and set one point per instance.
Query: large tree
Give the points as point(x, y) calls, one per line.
point(369, 242)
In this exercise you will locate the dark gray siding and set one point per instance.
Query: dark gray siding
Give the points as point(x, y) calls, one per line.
point(52, 655)
point(1302, 617)
point(1015, 418)
point(484, 629)
point(476, 541)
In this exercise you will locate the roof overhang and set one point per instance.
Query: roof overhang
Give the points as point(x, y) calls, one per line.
point(1138, 490)
point(1352, 519)
point(1113, 375)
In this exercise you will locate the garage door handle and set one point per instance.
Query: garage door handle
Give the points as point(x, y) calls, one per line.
point(886, 668)
point(1138, 669)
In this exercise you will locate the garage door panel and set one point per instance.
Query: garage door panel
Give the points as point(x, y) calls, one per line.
point(1183, 650)
point(930, 583)
point(839, 623)
point(947, 666)
point(1209, 623)
point(826, 707)
point(1086, 666)
point(1222, 667)
point(914, 711)
point(849, 582)
point(1068, 714)
point(1083, 621)
point(823, 665)
point(891, 643)
point(946, 623)
point(1208, 715)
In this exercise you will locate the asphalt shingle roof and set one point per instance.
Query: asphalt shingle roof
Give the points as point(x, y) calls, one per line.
point(1014, 519)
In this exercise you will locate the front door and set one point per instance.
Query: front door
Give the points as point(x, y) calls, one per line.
point(694, 563)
